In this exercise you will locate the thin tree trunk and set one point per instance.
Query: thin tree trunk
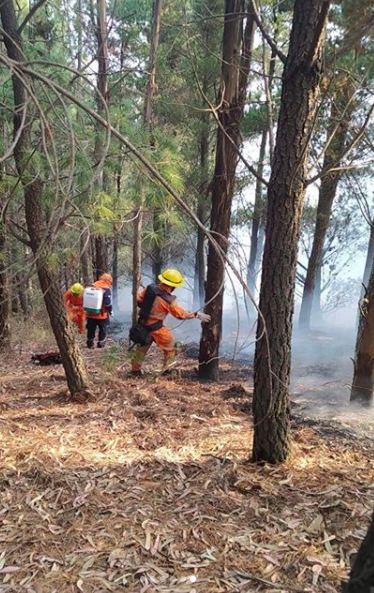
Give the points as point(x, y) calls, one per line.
point(148, 123)
point(4, 292)
point(71, 356)
point(236, 57)
point(257, 215)
point(317, 308)
point(115, 273)
point(101, 257)
point(363, 377)
point(369, 256)
point(300, 91)
point(137, 261)
point(151, 82)
point(85, 259)
point(157, 254)
point(23, 294)
point(13, 294)
point(148, 118)
point(361, 579)
point(199, 279)
point(327, 193)
point(260, 250)
point(203, 202)
point(93, 255)
point(101, 243)
point(79, 34)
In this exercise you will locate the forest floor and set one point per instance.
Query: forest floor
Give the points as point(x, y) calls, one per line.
point(149, 488)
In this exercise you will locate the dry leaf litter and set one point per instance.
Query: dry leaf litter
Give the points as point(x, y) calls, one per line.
point(149, 489)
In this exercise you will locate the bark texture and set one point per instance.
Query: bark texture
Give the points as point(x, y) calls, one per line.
point(35, 219)
point(236, 58)
point(4, 292)
point(101, 243)
point(339, 122)
point(363, 377)
point(300, 90)
point(361, 579)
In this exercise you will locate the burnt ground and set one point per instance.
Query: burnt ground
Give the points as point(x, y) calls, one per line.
point(149, 487)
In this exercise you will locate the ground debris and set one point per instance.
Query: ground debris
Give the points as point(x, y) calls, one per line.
point(46, 358)
point(149, 488)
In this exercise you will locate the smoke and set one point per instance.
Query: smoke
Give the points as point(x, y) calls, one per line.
point(322, 368)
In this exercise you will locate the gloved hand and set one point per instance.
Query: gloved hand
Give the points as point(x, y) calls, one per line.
point(203, 317)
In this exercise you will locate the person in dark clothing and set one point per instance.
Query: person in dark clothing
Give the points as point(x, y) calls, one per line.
point(100, 320)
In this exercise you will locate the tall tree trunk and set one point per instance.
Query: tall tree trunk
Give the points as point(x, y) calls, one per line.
point(101, 243)
point(148, 123)
point(363, 377)
point(361, 579)
point(71, 356)
point(137, 261)
point(148, 118)
point(151, 82)
point(257, 216)
point(157, 252)
point(317, 308)
point(115, 272)
point(199, 278)
point(327, 193)
point(236, 58)
point(300, 90)
point(4, 291)
point(23, 294)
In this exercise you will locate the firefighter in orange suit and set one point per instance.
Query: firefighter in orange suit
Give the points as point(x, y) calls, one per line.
point(163, 304)
point(73, 301)
point(100, 320)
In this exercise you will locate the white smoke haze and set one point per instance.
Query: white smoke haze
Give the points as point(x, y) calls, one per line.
point(322, 367)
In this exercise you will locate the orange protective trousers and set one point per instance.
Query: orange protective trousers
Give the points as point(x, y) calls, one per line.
point(79, 318)
point(164, 340)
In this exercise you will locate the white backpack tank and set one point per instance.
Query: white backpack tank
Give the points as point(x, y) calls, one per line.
point(93, 299)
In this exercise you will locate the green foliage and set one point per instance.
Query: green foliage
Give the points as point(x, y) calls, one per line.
point(255, 120)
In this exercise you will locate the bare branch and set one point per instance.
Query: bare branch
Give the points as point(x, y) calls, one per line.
point(30, 15)
point(269, 40)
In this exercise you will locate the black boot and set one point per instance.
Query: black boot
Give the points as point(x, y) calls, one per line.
point(101, 344)
point(90, 344)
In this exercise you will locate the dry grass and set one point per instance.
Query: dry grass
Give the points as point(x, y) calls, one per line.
point(149, 489)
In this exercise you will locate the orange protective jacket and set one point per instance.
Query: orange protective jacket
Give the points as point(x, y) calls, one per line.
point(73, 304)
point(106, 308)
point(161, 308)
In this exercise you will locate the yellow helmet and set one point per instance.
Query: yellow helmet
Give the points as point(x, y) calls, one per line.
point(77, 289)
point(171, 278)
